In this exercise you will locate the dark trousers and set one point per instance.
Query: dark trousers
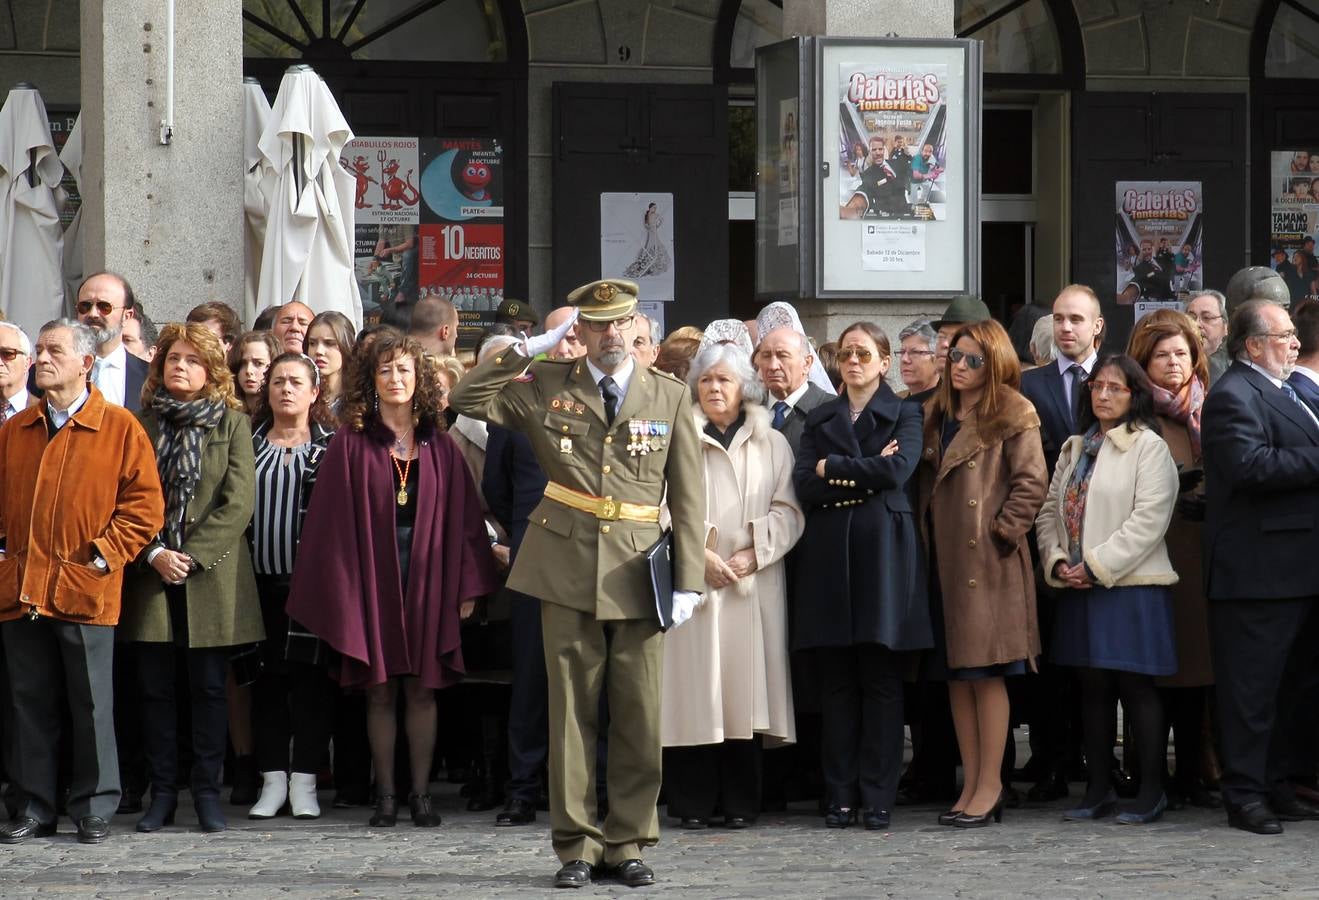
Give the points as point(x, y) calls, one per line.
point(52, 663)
point(128, 721)
point(861, 703)
point(1263, 662)
point(352, 751)
point(206, 667)
point(528, 708)
point(292, 701)
point(726, 776)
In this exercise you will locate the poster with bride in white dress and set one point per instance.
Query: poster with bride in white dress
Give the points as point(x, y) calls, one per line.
point(636, 242)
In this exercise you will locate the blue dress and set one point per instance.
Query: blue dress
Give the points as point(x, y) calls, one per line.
point(1129, 629)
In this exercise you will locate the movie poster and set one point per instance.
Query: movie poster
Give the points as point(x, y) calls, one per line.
point(386, 202)
point(786, 170)
point(892, 154)
point(462, 229)
point(636, 242)
point(1158, 240)
point(1294, 215)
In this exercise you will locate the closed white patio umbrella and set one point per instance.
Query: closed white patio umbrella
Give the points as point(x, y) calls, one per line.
point(256, 115)
point(31, 237)
point(308, 250)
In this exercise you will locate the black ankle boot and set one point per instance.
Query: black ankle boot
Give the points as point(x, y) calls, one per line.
point(209, 815)
point(386, 812)
point(422, 814)
point(160, 813)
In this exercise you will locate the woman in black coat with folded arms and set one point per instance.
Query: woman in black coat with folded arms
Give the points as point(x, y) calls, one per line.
point(860, 600)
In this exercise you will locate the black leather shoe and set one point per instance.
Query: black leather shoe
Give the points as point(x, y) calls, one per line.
point(209, 815)
point(839, 817)
point(948, 818)
point(160, 813)
point(968, 821)
point(386, 812)
point(1294, 810)
point(1255, 817)
point(93, 830)
point(22, 828)
point(875, 819)
point(695, 823)
point(423, 816)
point(1052, 788)
point(633, 873)
point(573, 875)
point(517, 812)
point(737, 822)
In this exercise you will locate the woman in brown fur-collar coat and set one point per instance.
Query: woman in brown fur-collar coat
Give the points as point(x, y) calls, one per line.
point(982, 480)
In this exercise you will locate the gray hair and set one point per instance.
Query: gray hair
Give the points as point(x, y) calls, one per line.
point(1042, 348)
point(24, 343)
point(84, 338)
point(736, 359)
point(1247, 322)
point(1217, 295)
point(656, 331)
point(922, 329)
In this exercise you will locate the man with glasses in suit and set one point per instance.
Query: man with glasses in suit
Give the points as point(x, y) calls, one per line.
point(104, 301)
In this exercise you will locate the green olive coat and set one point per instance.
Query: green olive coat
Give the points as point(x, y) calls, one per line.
point(223, 610)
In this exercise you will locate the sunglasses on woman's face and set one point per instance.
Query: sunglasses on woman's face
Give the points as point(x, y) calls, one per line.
point(862, 355)
point(973, 361)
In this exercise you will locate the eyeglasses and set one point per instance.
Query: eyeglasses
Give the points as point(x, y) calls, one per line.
point(1106, 387)
point(1277, 335)
point(104, 307)
point(622, 324)
point(973, 361)
point(9, 354)
point(862, 355)
point(1207, 317)
point(908, 354)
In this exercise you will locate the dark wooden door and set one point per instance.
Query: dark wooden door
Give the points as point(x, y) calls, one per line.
point(1156, 137)
point(641, 138)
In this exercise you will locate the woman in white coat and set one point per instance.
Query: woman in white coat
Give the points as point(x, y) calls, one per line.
point(1101, 539)
point(726, 688)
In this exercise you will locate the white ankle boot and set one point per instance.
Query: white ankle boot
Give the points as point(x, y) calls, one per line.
point(274, 791)
point(302, 796)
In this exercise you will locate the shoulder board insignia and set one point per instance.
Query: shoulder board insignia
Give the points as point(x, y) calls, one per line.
point(668, 375)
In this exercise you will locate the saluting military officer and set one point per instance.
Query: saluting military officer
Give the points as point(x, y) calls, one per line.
point(612, 437)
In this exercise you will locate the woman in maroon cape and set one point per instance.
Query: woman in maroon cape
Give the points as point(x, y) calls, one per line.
point(393, 552)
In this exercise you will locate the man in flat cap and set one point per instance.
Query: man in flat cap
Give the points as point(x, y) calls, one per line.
point(517, 313)
point(615, 440)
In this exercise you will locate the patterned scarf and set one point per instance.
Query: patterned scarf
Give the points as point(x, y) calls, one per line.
point(1077, 488)
point(1183, 408)
point(183, 429)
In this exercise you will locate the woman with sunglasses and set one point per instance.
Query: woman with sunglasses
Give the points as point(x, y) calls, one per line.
point(1101, 538)
point(982, 481)
point(857, 454)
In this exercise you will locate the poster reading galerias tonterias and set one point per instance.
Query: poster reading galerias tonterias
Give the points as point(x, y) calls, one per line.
point(1158, 240)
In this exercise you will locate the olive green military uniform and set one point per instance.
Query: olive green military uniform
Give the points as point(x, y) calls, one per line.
point(600, 631)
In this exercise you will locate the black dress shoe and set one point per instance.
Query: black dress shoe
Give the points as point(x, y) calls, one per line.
point(875, 819)
point(22, 828)
point(92, 830)
point(386, 812)
point(573, 875)
point(1052, 788)
point(1294, 810)
point(1255, 817)
point(969, 821)
point(633, 873)
point(695, 823)
point(517, 812)
point(948, 818)
point(737, 822)
point(839, 817)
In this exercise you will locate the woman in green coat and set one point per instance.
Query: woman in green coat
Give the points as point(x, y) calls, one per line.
point(193, 588)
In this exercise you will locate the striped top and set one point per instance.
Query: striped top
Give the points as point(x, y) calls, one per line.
point(284, 476)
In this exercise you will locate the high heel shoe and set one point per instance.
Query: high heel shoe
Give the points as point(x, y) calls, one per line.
point(1101, 809)
point(1144, 818)
point(948, 818)
point(209, 815)
point(386, 812)
point(160, 813)
point(995, 813)
point(422, 814)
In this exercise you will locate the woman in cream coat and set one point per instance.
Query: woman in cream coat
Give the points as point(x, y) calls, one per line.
point(726, 685)
point(1101, 539)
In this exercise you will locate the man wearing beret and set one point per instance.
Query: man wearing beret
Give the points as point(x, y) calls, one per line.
point(615, 440)
point(518, 314)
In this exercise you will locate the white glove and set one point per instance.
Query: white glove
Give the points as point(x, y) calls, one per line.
point(684, 604)
point(542, 343)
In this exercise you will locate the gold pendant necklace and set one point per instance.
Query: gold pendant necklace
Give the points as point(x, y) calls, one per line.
point(402, 495)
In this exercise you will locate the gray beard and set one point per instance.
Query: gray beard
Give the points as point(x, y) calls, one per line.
point(612, 359)
point(106, 335)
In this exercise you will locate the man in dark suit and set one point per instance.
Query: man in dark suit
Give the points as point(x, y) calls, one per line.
point(104, 301)
point(1058, 390)
point(784, 360)
point(1261, 461)
point(1305, 374)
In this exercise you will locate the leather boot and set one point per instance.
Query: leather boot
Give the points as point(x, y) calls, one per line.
point(274, 792)
point(302, 796)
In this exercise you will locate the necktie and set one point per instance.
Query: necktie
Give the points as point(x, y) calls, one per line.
point(780, 415)
point(1079, 378)
point(609, 390)
point(4, 413)
point(96, 372)
point(1295, 398)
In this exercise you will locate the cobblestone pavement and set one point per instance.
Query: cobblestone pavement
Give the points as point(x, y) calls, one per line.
point(1189, 854)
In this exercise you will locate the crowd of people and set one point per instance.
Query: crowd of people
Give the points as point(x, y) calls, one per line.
point(272, 558)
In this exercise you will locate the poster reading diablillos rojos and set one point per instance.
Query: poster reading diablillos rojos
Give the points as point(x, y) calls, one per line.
point(386, 171)
point(462, 229)
point(1158, 240)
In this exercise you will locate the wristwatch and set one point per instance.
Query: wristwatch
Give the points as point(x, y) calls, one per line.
point(99, 562)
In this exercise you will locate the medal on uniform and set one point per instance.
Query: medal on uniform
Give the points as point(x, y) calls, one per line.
point(565, 445)
point(634, 439)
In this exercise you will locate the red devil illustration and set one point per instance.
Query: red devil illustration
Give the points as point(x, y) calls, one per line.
point(398, 191)
point(358, 169)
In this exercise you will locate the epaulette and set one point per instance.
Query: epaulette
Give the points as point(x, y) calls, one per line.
point(668, 375)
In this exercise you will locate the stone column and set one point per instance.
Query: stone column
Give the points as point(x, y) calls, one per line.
point(825, 319)
point(167, 217)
